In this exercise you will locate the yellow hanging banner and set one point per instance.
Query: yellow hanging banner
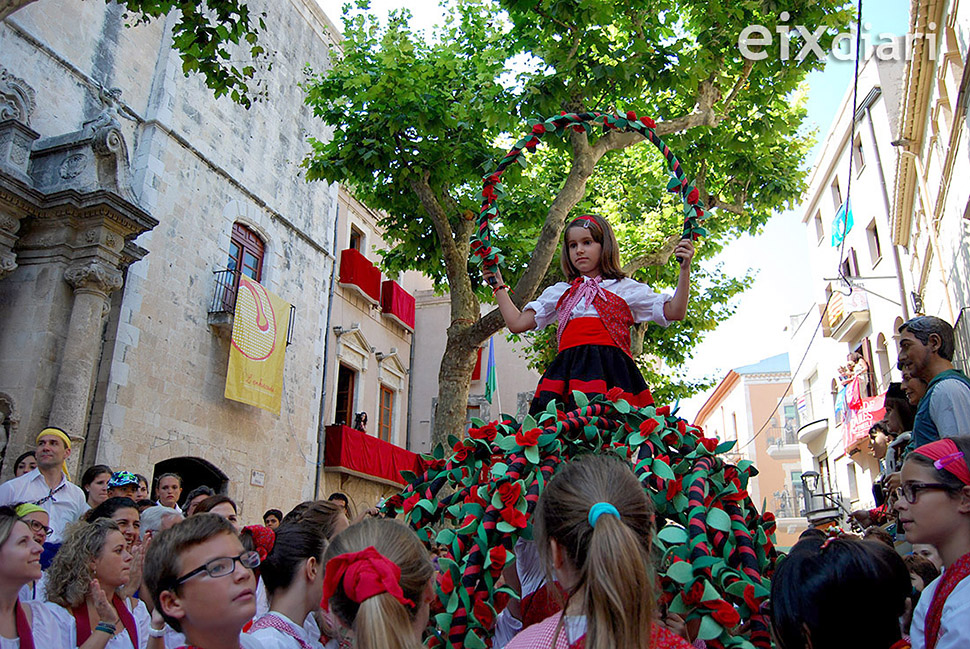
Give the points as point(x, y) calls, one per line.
point(259, 329)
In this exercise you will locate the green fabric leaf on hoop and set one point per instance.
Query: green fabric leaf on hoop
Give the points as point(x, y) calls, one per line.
point(718, 519)
point(673, 185)
point(681, 572)
point(531, 454)
point(672, 534)
point(724, 447)
point(662, 470)
point(472, 641)
point(709, 629)
point(580, 398)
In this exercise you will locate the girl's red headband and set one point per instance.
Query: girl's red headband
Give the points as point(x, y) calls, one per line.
point(586, 219)
point(363, 574)
point(946, 456)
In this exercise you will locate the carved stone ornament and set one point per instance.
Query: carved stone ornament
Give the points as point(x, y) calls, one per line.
point(17, 99)
point(73, 166)
point(94, 275)
point(8, 263)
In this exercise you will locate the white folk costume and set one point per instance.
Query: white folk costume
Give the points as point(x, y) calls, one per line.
point(594, 317)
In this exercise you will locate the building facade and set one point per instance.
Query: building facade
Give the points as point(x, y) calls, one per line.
point(930, 198)
point(131, 202)
point(752, 406)
point(861, 294)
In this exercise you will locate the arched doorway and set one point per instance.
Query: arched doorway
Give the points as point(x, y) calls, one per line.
point(194, 471)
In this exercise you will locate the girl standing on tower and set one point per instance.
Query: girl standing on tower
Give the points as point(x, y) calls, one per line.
point(594, 308)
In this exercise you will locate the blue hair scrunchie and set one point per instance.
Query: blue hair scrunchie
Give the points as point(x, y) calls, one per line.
point(598, 510)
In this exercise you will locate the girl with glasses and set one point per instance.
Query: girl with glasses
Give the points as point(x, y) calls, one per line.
point(934, 508)
point(22, 623)
point(83, 586)
point(38, 520)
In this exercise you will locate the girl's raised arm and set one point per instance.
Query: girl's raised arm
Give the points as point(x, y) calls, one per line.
point(517, 321)
point(676, 307)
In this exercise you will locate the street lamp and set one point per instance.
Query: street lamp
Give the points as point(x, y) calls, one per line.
point(810, 481)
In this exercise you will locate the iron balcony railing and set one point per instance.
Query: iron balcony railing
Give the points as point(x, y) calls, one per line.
point(226, 286)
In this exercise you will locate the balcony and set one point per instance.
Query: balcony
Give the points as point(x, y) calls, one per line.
point(397, 304)
point(848, 315)
point(822, 508)
point(355, 453)
point(810, 426)
point(223, 303)
point(358, 274)
point(782, 443)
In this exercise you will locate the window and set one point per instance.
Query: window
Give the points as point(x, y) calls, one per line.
point(858, 157)
point(356, 239)
point(734, 425)
point(819, 226)
point(836, 194)
point(386, 418)
point(850, 265)
point(825, 479)
point(853, 484)
point(245, 258)
point(875, 250)
point(246, 253)
point(346, 385)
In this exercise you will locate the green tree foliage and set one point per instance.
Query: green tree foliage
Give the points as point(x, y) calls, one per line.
point(208, 36)
point(205, 37)
point(418, 121)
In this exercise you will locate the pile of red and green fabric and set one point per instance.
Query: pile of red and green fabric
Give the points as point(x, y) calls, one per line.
point(714, 548)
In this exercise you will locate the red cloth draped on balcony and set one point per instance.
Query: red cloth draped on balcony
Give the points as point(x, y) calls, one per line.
point(358, 272)
point(362, 454)
point(397, 304)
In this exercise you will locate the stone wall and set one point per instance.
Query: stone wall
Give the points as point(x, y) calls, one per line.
point(198, 165)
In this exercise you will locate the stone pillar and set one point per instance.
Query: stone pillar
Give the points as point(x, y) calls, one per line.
point(93, 281)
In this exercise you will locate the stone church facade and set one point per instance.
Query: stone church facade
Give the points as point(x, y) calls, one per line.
point(126, 191)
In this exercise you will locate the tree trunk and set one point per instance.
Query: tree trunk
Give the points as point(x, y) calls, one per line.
point(7, 7)
point(454, 382)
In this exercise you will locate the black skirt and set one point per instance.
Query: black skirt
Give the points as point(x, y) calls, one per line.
point(590, 369)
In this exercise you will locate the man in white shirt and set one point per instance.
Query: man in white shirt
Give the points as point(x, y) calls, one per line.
point(48, 486)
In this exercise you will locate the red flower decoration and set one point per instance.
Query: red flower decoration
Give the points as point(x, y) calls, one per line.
point(692, 596)
point(710, 443)
point(724, 614)
point(411, 502)
point(498, 556)
point(474, 497)
point(648, 426)
point(486, 432)
point(693, 196)
point(539, 129)
point(483, 612)
point(614, 394)
point(663, 411)
point(528, 438)
point(674, 487)
point(649, 123)
point(447, 584)
point(461, 452)
point(509, 493)
point(514, 517)
point(630, 115)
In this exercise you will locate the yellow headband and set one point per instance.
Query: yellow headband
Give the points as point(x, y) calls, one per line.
point(61, 435)
point(28, 508)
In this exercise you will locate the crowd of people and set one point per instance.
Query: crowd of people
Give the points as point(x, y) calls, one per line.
point(101, 565)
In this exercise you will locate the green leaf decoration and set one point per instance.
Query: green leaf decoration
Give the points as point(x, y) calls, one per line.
point(662, 470)
point(681, 572)
point(472, 641)
point(724, 447)
point(532, 454)
point(672, 535)
point(581, 400)
point(709, 629)
point(718, 519)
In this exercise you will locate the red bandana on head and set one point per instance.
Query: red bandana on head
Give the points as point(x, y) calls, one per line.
point(946, 457)
point(363, 574)
point(263, 539)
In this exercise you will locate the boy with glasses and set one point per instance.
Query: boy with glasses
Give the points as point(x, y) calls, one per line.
point(201, 579)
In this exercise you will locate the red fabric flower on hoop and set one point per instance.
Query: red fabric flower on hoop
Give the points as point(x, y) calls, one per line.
point(486, 432)
point(724, 614)
point(528, 438)
point(363, 575)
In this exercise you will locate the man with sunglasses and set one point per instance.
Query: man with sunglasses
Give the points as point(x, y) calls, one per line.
point(201, 579)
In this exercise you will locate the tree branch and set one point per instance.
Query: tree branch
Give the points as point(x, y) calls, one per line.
point(656, 258)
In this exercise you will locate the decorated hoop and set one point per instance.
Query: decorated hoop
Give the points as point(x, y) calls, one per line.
point(481, 243)
point(717, 550)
